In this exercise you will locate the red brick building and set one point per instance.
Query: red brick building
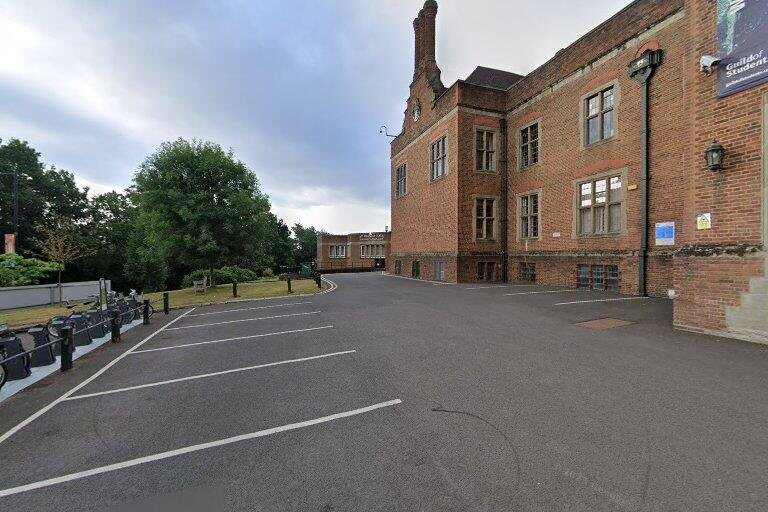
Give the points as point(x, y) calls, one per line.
point(547, 177)
point(356, 252)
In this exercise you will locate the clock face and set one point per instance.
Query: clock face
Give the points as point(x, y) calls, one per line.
point(416, 112)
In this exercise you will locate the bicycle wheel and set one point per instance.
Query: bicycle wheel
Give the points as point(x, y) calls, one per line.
point(3, 371)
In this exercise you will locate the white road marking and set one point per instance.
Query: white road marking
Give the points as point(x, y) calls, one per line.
point(598, 300)
point(244, 320)
point(233, 339)
point(194, 448)
point(207, 375)
point(250, 309)
point(546, 291)
point(89, 379)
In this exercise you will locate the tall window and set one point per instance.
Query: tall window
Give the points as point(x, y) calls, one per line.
point(440, 271)
point(600, 206)
point(600, 116)
point(400, 177)
point(529, 145)
point(338, 251)
point(484, 218)
point(485, 151)
point(372, 251)
point(529, 216)
point(438, 159)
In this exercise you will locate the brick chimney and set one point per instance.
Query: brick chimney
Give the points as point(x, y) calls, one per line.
point(424, 36)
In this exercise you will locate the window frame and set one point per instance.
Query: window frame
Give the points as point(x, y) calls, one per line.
point(440, 142)
point(333, 251)
point(528, 195)
point(485, 218)
point(440, 270)
point(623, 174)
point(526, 147)
point(404, 169)
point(600, 115)
point(494, 149)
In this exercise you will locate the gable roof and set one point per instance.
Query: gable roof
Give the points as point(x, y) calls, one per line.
point(493, 78)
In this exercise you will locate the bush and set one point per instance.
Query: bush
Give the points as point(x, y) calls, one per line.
point(18, 271)
point(268, 272)
point(224, 275)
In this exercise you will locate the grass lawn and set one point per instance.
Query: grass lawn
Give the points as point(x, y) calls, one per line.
point(27, 317)
point(223, 293)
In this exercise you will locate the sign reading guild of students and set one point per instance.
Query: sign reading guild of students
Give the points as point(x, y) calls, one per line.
point(742, 38)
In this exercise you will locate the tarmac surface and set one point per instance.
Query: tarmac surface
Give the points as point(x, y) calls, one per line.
point(389, 394)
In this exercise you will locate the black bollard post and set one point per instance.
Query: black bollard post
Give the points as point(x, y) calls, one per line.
point(166, 303)
point(67, 347)
point(319, 280)
point(289, 284)
point(234, 289)
point(115, 326)
point(145, 316)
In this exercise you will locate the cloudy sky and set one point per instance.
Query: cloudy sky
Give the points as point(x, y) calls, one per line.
point(297, 88)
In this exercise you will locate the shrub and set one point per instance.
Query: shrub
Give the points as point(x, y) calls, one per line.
point(224, 275)
point(268, 272)
point(18, 271)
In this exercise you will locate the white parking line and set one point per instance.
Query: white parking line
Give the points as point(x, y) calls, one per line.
point(207, 375)
point(194, 448)
point(598, 300)
point(244, 320)
point(546, 291)
point(250, 309)
point(89, 379)
point(232, 339)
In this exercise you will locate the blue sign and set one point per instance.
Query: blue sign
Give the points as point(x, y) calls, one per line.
point(665, 233)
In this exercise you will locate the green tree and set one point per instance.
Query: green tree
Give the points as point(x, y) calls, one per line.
point(44, 194)
point(305, 243)
point(63, 243)
point(205, 205)
point(109, 229)
point(16, 270)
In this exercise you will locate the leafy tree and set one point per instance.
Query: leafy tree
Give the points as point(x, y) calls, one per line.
point(64, 244)
point(44, 194)
point(205, 204)
point(305, 242)
point(16, 270)
point(109, 229)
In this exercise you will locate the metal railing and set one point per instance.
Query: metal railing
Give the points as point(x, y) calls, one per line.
point(61, 335)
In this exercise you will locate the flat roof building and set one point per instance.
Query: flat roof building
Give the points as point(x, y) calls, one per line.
point(355, 252)
point(551, 177)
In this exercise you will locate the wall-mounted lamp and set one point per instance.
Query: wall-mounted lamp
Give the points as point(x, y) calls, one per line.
point(715, 154)
point(383, 131)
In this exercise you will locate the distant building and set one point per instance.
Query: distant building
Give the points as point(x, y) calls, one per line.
point(355, 252)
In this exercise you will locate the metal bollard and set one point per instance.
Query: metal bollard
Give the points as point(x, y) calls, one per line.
point(145, 316)
point(234, 289)
point(289, 285)
point(166, 303)
point(319, 280)
point(67, 347)
point(115, 323)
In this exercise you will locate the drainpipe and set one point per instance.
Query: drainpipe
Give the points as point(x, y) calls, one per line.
point(641, 70)
point(503, 168)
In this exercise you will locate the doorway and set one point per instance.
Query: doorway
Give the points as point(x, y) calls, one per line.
point(416, 270)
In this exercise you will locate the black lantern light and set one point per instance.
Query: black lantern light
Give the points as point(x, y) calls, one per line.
point(715, 154)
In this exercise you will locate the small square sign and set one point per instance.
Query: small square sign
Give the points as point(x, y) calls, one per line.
point(704, 221)
point(665, 233)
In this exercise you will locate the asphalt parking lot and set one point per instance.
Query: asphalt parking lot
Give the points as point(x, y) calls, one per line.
point(390, 394)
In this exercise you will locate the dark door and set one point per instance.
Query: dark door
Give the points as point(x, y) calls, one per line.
point(416, 270)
